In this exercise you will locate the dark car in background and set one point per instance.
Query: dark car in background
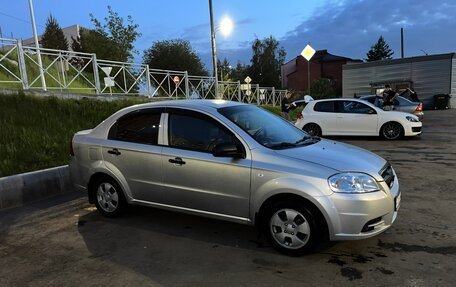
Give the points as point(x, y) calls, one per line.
point(400, 104)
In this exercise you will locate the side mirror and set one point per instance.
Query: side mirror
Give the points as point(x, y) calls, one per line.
point(371, 112)
point(227, 150)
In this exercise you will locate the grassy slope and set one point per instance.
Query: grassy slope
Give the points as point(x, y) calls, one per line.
point(35, 132)
point(79, 85)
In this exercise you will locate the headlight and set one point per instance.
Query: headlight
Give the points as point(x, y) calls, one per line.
point(412, 119)
point(353, 183)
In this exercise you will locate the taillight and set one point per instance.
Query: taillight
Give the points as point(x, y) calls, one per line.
point(300, 116)
point(419, 108)
point(71, 148)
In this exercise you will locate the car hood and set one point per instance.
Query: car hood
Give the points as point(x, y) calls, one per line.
point(339, 156)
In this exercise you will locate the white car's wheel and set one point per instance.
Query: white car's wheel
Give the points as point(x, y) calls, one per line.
point(391, 130)
point(312, 129)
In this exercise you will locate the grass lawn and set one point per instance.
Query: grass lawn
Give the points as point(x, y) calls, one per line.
point(35, 131)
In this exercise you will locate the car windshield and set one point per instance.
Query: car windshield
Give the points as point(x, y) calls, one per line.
point(267, 128)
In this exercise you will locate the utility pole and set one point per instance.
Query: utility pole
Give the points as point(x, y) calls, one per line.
point(402, 43)
point(37, 45)
point(214, 50)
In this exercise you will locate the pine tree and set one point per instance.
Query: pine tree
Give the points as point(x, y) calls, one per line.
point(53, 37)
point(379, 51)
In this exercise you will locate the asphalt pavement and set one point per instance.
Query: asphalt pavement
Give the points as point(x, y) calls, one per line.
point(64, 241)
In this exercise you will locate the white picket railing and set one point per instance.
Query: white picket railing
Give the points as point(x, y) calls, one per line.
point(84, 73)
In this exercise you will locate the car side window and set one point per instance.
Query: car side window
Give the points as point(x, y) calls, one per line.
point(326, 106)
point(197, 132)
point(354, 107)
point(140, 126)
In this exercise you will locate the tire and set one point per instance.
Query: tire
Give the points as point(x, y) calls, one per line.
point(109, 197)
point(391, 131)
point(312, 129)
point(291, 228)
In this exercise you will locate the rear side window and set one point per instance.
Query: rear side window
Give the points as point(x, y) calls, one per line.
point(326, 106)
point(197, 132)
point(137, 127)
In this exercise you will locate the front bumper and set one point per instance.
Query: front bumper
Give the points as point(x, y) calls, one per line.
point(358, 216)
point(413, 129)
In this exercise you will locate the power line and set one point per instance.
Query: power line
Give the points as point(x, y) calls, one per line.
point(18, 19)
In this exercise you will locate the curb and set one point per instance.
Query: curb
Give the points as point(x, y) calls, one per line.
point(18, 189)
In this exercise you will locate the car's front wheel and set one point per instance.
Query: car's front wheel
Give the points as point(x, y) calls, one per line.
point(110, 200)
point(391, 130)
point(291, 228)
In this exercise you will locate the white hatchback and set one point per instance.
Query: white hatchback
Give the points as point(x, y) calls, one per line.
point(352, 117)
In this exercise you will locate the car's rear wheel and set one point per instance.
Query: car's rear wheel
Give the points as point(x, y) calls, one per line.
point(291, 228)
point(312, 129)
point(109, 197)
point(391, 131)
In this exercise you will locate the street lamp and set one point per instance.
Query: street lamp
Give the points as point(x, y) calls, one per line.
point(226, 26)
point(308, 53)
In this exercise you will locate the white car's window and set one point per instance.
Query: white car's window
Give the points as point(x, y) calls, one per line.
point(266, 128)
point(354, 107)
point(197, 132)
point(137, 127)
point(325, 106)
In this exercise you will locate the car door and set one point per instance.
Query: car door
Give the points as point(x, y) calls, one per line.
point(356, 118)
point(193, 177)
point(324, 115)
point(132, 152)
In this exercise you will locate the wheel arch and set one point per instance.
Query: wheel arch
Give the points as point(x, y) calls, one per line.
point(322, 219)
point(99, 175)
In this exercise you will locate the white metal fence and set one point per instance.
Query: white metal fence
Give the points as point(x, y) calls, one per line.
point(83, 73)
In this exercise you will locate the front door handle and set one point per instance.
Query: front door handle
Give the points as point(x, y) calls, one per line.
point(176, 161)
point(114, 151)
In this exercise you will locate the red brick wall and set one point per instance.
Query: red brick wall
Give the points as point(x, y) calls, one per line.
point(318, 70)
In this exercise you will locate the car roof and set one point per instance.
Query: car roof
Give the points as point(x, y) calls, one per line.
point(191, 104)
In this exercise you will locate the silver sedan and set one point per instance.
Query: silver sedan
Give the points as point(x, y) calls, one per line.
point(235, 162)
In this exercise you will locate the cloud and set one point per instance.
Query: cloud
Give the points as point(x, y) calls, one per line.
point(349, 28)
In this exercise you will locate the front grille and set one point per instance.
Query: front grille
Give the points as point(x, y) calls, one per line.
point(416, 129)
point(388, 175)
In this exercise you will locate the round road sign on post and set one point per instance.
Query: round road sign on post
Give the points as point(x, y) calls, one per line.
point(176, 80)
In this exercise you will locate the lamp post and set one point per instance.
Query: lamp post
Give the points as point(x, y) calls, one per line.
point(308, 53)
point(37, 45)
point(225, 26)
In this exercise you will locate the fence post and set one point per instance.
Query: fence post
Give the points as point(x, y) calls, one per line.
point(125, 79)
point(187, 91)
point(22, 67)
point(95, 73)
point(273, 96)
point(239, 91)
point(258, 94)
point(148, 81)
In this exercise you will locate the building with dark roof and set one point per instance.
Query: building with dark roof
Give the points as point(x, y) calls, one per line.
point(323, 65)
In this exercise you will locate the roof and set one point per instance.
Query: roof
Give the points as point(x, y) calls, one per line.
point(349, 66)
point(192, 103)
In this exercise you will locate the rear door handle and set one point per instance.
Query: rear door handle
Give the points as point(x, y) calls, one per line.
point(114, 151)
point(176, 161)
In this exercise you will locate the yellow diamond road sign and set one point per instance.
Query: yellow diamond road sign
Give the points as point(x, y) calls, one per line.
point(308, 52)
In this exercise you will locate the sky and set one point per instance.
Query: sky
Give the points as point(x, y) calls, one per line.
point(345, 28)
